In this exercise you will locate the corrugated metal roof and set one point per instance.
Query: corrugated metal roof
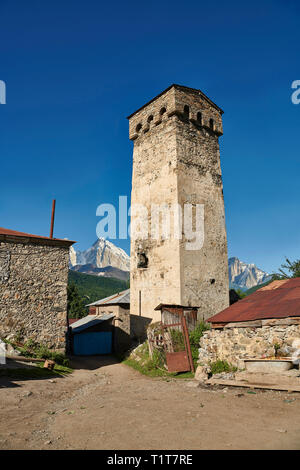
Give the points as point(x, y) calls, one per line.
point(89, 321)
point(13, 233)
point(119, 298)
point(277, 300)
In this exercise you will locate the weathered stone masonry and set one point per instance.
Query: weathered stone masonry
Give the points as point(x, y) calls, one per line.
point(176, 160)
point(33, 289)
point(235, 343)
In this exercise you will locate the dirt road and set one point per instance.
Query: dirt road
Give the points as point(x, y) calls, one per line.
point(106, 405)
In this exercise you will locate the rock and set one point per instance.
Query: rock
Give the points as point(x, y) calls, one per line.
point(281, 430)
point(201, 374)
point(225, 376)
point(27, 394)
point(11, 351)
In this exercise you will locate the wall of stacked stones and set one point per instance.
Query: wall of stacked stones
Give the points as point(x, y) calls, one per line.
point(236, 344)
point(33, 292)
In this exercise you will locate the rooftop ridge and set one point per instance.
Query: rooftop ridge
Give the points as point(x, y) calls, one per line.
point(180, 87)
point(13, 233)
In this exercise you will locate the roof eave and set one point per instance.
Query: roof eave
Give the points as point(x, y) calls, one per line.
point(178, 87)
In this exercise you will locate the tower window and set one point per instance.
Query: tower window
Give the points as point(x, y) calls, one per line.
point(211, 124)
point(150, 118)
point(142, 260)
point(199, 118)
point(162, 111)
point(186, 111)
point(138, 127)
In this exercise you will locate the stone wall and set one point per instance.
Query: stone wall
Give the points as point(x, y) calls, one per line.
point(235, 344)
point(33, 290)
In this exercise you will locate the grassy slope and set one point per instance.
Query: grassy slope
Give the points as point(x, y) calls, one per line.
point(255, 288)
point(96, 287)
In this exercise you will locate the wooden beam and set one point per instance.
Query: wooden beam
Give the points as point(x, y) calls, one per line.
point(237, 383)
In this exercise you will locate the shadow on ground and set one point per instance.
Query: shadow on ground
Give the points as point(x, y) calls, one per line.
point(92, 362)
point(14, 371)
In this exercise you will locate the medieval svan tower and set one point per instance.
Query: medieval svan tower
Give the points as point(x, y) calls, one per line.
point(176, 162)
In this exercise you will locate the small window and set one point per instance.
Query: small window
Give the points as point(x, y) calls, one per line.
point(142, 260)
point(211, 124)
point(199, 118)
point(138, 127)
point(150, 118)
point(162, 111)
point(186, 111)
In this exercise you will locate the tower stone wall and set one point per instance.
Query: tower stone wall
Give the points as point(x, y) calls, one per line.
point(176, 160)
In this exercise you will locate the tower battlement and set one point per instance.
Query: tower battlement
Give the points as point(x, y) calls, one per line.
point(188, 104)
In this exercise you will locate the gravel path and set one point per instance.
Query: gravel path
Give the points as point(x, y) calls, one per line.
point(107, 405)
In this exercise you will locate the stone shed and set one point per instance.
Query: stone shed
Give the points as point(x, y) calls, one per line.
point(263, 325)
point(33, 287)
point(116, 305)
point(128, 328)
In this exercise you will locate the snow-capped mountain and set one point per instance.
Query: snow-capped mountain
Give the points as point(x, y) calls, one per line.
point(104, 254)
point(101, 254)
point(244, 276)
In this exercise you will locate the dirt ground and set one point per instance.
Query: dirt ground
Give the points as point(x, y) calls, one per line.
point(107, 405)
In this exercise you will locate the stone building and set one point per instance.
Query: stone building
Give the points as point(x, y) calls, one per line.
point(176, 162)
point(118, 306)
point(33, 287)
point(127, 327)
point(263, 324)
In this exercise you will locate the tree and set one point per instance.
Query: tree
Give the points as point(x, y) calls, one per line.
point(76, 307)
point(293, 268)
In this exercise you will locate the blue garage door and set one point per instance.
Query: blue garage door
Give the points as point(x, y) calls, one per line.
point(87, 344)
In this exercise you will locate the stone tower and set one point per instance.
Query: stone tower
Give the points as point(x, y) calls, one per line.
point(176, 162)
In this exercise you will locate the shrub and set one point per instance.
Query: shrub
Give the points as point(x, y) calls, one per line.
point(196, 334)
point(219, 366)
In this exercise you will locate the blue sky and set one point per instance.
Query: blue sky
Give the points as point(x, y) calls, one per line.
point(74, 70)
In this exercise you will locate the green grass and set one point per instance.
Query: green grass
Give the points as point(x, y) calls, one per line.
point(259, 286)
point(154, 372)
point(39, 351)
point(219, 366)
point(36, 372)
point(92, 288)
point(154, 367)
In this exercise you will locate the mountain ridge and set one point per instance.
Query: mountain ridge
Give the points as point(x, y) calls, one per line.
point(105, 259)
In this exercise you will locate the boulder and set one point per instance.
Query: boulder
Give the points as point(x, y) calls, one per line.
point(201, 374)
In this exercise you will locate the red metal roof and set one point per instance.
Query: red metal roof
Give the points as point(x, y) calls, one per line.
point(280, 299)
point(12, 233)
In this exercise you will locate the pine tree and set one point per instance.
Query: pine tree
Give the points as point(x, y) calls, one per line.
point(76, 307)
point(293, 268)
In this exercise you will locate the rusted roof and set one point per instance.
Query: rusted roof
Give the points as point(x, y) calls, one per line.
point(280, 299)
point(14, 234)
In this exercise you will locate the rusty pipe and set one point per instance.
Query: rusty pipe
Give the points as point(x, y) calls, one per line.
point(52, 218)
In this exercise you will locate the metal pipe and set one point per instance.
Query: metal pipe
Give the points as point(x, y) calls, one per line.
point(140, 303)
point(52, 218)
